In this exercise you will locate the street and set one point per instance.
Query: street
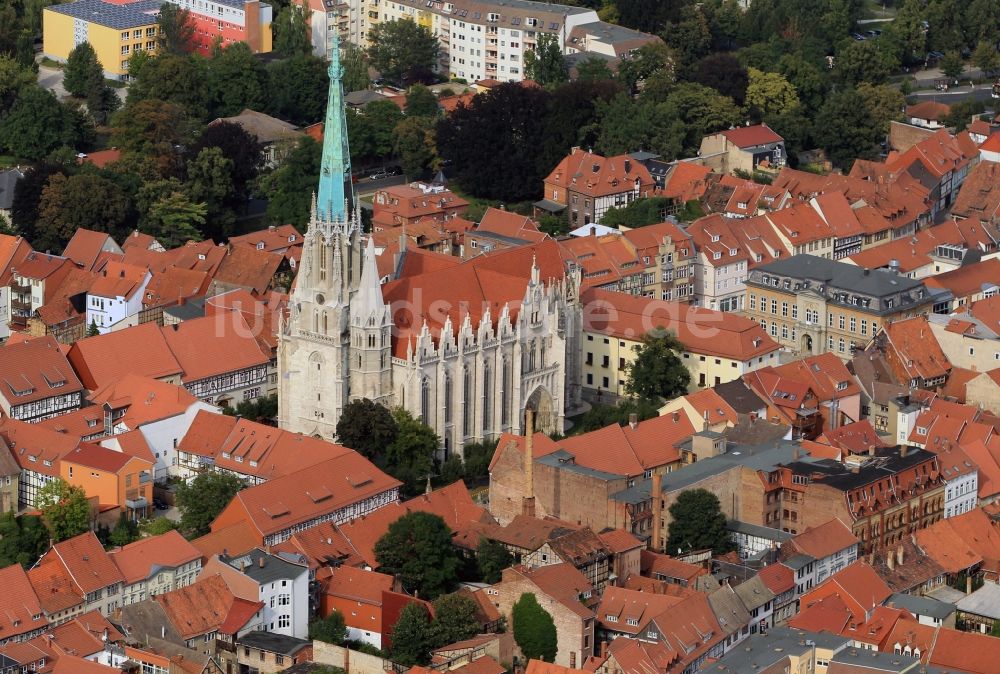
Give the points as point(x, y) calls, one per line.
point(982, 92)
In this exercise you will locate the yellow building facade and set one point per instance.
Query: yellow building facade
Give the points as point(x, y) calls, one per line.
point(115, 34)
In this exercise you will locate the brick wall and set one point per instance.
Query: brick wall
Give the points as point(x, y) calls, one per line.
point(353, 662)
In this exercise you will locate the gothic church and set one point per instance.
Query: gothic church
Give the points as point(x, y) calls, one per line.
point(466, 347)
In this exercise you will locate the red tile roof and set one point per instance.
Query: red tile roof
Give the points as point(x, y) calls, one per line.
point(969, 280)
point(142, 559)
point(749, 136)
point(206, 606)
point(213, 345)
point(34, 447)
point(147, 400)
point(321, 489)
point(247, 267)
point(20, 610)
point(664, 567)
point(856, 438)
point(588, 173)
point(233, 540)
point(778, 578)
point(563, 582)
point(86, 562)
point(101, 158)
point(97, 457)
point(701, 331)
point(825, 540)
point(86, 246)
point(960, 542)
point(619, 541)
point(630, 611)
point(55, 589)
point(106, 358)
point(35, 369)
point(928, 110)
point(686, 182)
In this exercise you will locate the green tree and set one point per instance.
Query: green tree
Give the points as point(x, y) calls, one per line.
point(845, 129)
point(13, 77)
point(657, 371)
point(491, 559)
point(986, 57)
point(639, 213)
point(697, 523)
point(202, 499)
point(240, 147)
point(174, 220)
point(177, 30)
point(291, 31)
point(650, 16)
point(412, 638)
point(331, 629)
point(158, 526)
point(64, 508)
point(962, 112)
point(81, 201)
point(410, 457)
point(289, 188)
point(6, 228)
point(366, 427)
point(701, 110)
point(690, 37)
point(650, 58)
point(126, 531)
point(402, 50)
point(37, 123)
point(421, 102)
point(418, 548)
point(152, 130)
point(770, 93)
point(173, 78)
point(809, 79)
point(474, 131)
point(210, 182)
point(626, 125)
point(545, 63)
point(102, 102)
point(83, 72)
point(863, 61)
point(725, 74)
point(27, 194)
point(593, 68)
point(884, 103)
point(22, 539)
point(600, 416)
point(951, 64)
point(297, 88)
point(382, 117)
point(476, 461)
point(534, 629)
point(263, 410)
point(454, 619)
point(235, 81)
point(355, 63)
point(414, 137)
point(571, 117)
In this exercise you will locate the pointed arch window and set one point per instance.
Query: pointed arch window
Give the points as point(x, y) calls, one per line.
point(505, 393)
point(467, 398)
point(447, 398)
point(425, 400)
point(487, 396)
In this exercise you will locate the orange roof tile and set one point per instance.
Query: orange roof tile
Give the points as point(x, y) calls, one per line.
point(619, 541)
point(35, 369)
point(95, 456)
point(750, 136)
point(206, 606)
point(824, 540)
point(141, 350)
point(233, 540)
point(86, 246)
point(213, 345)
point(591, 174)
point(855, 438)
point(778, 578)
point(119, 279)
point(322, 545)
point(629, 611)
point(20, 610)
point(55, 589)
point(563, 582)
point(86, 562)
point(664, 567)
point(964, 651)
point(147, 400)
point(296, 498)
point(686, 182)
point(702, 331)
point(247, 267)
point(142, 559)
point(35, 447)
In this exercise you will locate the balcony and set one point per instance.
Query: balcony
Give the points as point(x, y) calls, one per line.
point(137, 503)
point(145, 478)
point(20, 289)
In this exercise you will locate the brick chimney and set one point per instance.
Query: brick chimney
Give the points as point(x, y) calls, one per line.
point(655, 492)
point(528, 503)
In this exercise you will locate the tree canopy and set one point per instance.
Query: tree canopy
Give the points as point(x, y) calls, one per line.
point(697, 523)
point(177, 30)
point(366, 427)
point(454, 619)
point(410, 456)
point(331, 629)
point(202, 499)
point(22, 539)
point(545, 63)
point(412, 638)
point(64, 508)
point(534, 629)
point(418, 547)
point(402, 50)
point(657, 370)
point(491, 559)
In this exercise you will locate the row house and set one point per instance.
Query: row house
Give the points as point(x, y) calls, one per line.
point(252, 451)
point(883, 496)
point(584, 185)
point(967, 284)
point(37, 451)
point(33, 283)
point(22, 617)
point(401, 205)
point(912, 353)
point(13, 251)
point(500, 229)
point(718, 347)
point(739, 198)
point(937, 249)
point(828, 547)
point(337, 490)
point(90, 249)
point(154, 565)
point(284, 240)
point(744, 149)
point(116, 295)
point(940, 162)
point(978, 201)
point(278, 581)
point(94, 577)
point(726, 251)
point(36, 380)
point(830, 306)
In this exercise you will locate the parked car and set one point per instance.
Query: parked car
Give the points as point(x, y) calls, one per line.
point(872, 34)
point(379, 174)
point(858, 36)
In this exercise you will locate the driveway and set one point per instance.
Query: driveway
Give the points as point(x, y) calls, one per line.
point(52, 79)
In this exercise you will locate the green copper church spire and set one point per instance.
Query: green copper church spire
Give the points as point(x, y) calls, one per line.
point(335, 187)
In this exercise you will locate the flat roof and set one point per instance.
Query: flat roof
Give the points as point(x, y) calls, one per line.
point(921, 605)
point(758, 531)
point(762, 651)
point(272, 642)
point(131, 15)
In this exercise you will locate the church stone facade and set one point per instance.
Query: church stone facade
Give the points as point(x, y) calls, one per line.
point(469, 371)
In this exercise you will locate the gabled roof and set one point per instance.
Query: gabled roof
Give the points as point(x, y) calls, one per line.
point(20, 610)
point(296, 498)
point(825, 540)
point(247, 267)
point(86, 245)
point(99, 458)
point(210, 346)
point(687, 181)
point(629, 611)
point(119, 279)
point(701, 331)
point(206, 606)
point(86, 562)
point(146, 557)
point(35, 369)
point(597, 176)
point(509, 225)
point(969, 280)
point(778, 578)
point(563, 582)
point(34, 447)
point(234, 539)
point(750, 136)
point(141, 350)
point(855, 438)
point(146, 400)
point(961, 542)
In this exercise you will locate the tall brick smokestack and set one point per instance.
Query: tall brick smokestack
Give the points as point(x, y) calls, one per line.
point(528, 503)
point(655, 493)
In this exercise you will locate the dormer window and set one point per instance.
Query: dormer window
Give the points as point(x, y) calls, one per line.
point(225, 455)
point(716, 255)
point(291, 238)
point(921, 430)
point(260, 245)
